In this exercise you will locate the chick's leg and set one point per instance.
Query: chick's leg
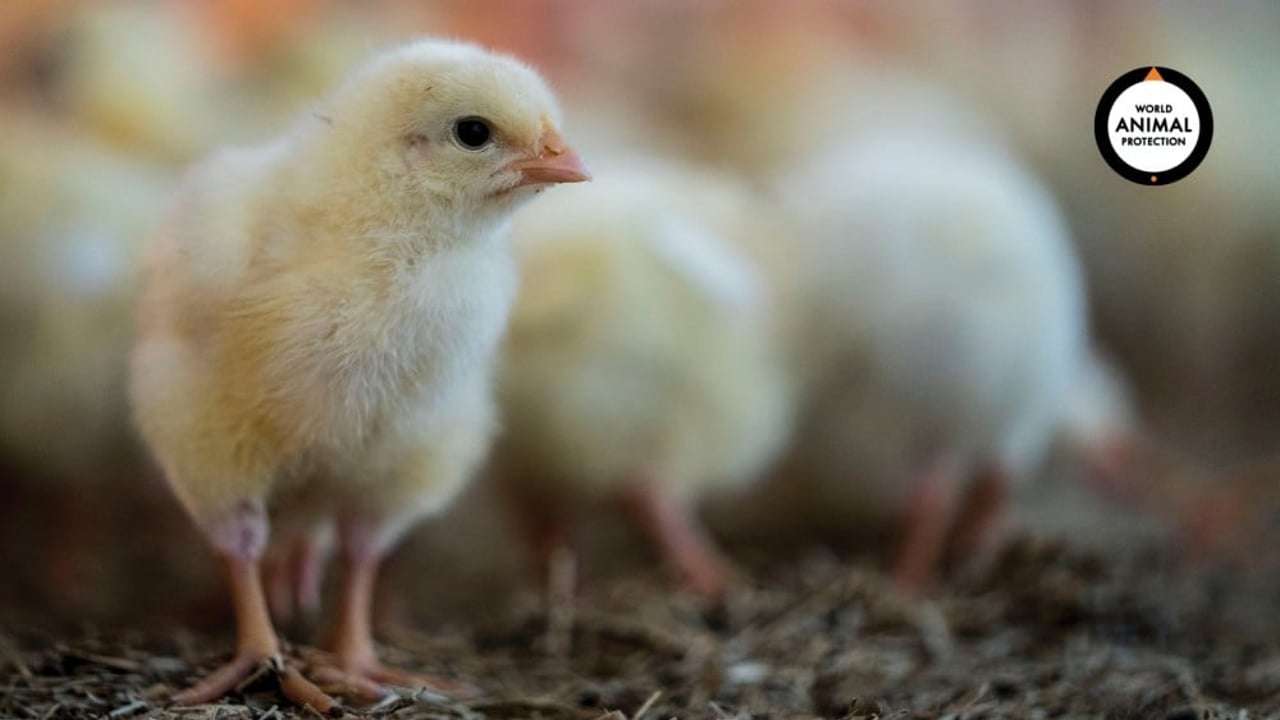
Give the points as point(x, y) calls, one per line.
point(306, 570)
point(240, 537)
point(543, 531)
point(356, 668)
point(553, 549)
point(275, 577)
point(557, 567)
point(978, 527)
point(294, 576)
point(352, 641)
point(554, 561)
point(929, 511)
point(672, 527)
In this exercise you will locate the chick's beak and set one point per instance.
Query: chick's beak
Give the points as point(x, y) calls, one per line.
point(555, 162)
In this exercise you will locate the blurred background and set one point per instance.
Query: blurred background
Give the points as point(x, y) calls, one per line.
point(103, 104)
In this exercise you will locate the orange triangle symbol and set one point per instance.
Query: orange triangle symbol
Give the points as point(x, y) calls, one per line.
point(1154, 75)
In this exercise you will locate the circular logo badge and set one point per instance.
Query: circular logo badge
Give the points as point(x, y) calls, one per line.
point(1153, 125)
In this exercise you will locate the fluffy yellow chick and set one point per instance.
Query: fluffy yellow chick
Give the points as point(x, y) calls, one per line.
point(641, 365)
point(944, 327)
point(319, 316)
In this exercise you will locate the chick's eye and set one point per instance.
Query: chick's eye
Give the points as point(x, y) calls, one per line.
point(472, 133)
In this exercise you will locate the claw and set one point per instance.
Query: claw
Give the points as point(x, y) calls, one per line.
point(374, 682)
point(245, 669)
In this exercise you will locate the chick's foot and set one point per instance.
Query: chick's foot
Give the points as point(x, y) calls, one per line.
point(368, 680)
point(239, 537)
point(351, 665)
point(246, 667)
point(929, 514)
point(981, 523)
point(679, 537)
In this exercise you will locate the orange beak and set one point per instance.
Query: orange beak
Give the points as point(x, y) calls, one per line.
point(556, 162)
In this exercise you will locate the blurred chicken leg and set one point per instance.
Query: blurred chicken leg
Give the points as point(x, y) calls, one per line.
point(672, 529)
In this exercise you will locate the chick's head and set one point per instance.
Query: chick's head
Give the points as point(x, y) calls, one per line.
point(449, 122)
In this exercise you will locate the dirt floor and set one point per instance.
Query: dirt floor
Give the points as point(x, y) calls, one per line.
point(1047, 631)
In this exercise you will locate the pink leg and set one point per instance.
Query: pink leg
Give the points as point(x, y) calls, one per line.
point(978, 523)
point(555, 563)
point(240, 538)
point(276, 580)
point(553, 550)
point(542, 528)
point(352, 640)
point(557, 568)
point(561, 570)
point(306, 568)
point(680, 538)
point(356, 667)
point(928, 518)
point(294, 575)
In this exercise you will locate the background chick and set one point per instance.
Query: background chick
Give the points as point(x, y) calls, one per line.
point(72, 213)
point(1182, 280)
point(945, 325)
point(138, 77)
point(318, 318)
point(641, 365)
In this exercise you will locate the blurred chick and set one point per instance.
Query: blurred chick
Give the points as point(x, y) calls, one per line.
point(140, 76)
point(72, 215)
point(641, 366)
point(1184, 280)
point(318, 319)
point(944, 327)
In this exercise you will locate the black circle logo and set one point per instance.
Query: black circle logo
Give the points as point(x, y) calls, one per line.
point(1153, 126)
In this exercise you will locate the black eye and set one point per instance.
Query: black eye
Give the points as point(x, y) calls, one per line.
point(472, 133)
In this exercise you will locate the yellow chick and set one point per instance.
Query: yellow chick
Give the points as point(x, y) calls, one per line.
point(318, 320)
point(641, 365)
